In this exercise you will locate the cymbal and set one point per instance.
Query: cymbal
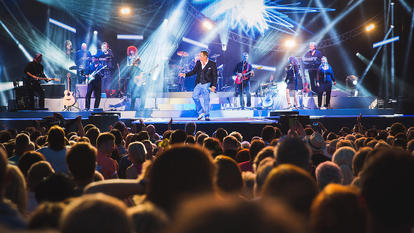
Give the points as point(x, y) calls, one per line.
point(73, 68)
point(182, 53)
point(215, 55)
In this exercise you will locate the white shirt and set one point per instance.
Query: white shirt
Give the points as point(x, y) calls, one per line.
point(202, 66)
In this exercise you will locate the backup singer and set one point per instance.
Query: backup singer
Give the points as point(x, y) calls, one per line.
point(293, 80)
point(34, 72)
point(313, 66)
point(325, 77)
point(240, 70)
point(106, 57)
point(95, 85)
point(206, 80)
point(69, 54)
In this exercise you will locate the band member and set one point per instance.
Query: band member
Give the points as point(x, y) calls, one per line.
point(206, 80)
point(95, 86)
point(132, 55)
point(82, 61)
point(69, 53)
point(106, 56)
point(34, 72)
point(293, 80)
point(325, 77)
point(137, 85)
point(240, 70)
point(312, 65)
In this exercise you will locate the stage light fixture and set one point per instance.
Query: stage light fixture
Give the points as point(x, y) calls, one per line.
point(165, 21)
point(95, 32)
point(207, 24)
point(125, 10)
point(370, 27)
point(290, 43)
point(357, 54)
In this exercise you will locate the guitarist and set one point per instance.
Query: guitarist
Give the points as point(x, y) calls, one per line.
point(34, 72)
point(137, 85)
point(95, 85)
point(240, 70)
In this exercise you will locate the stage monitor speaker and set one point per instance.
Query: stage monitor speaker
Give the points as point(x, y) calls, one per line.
point(54, 90)
point(103, 120)
point(405, 106)
point(283, 113)
point(286, 121)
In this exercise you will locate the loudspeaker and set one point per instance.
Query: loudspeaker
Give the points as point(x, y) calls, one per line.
point(286, 121)
point(283, 113)
point(54, 90)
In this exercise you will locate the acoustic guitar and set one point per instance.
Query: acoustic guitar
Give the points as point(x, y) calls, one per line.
point(68, 98)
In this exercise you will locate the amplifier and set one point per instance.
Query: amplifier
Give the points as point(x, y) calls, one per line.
point(54, 90)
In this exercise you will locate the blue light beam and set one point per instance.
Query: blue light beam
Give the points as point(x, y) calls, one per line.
point(62, 25)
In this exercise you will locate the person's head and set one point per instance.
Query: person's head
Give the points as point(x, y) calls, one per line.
point(118, 136)
point(28, 159)
point(324, 60)
point(84, 47)
point(312, 46)
point(242, 156)
point(359, 160)
point(5, 136)
point(149, 147)
point(237, 135)
point(203, 56)
point(264, 153)
point(81, 161)
point(38, 58)
point(228, 175)
point(46, 216)
point(213, 215)
point(245, 57)
point(220, 134)
point(178, 136)
point(190, 128)
point(292, 60)
point(268, 133)
point(105, 46)
point(396, 128)
point(344, 142)
point(37, 172)
point(262, 171)
point(92, 134)
point(386, 188)
point(16, 190)
point(213, 145)
point(95, 213)
point(293, 185)
point(22, 143)
point(3, 172)
point(293, 150)
point(190, 139)
point(328, 172)
point(337, 209)
point(68, 45)
point(230, 146)
point(137, 152)
point(180, 171)
point(200, 138)
point(105, 143)
point(410, 146)
point(343, 158)
point(55, 188)
point(147, 218)
point(255, 147)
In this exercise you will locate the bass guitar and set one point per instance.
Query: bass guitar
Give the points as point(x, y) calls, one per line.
point(243, 76)
point(94, 73)
point(68, 98)
point(141, 79)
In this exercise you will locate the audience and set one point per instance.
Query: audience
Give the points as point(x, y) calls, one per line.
point(188, 181)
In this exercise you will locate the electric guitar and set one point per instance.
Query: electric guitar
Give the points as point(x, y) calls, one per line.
point(141, 79)
point(94, 73)
point(243, 76)
point(68, 98)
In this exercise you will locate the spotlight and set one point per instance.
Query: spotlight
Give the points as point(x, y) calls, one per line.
point(223, 47)
point(165, 21)
point(357, 54)
point(290, 43)
point(370, 27)
point(125, 11)
point(95, 32)
point(207, 24)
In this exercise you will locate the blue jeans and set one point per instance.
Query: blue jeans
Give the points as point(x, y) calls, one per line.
point(202, 91)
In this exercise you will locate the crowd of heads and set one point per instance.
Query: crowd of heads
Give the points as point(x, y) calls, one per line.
point(308, 179)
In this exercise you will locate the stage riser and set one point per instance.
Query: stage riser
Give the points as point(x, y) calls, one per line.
point(216, 102)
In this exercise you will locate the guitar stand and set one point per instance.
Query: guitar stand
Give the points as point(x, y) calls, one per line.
point(69, 108)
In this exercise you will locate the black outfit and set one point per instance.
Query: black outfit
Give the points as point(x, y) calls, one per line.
point(82, 61)
point(293, 78)
point(325, 77)
point(33, 86)
point(94, 86)
point(106, 59)
point(64, 74)
point(312, 67)
point(206, 75)
point(135, 90)
point(245, 85)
